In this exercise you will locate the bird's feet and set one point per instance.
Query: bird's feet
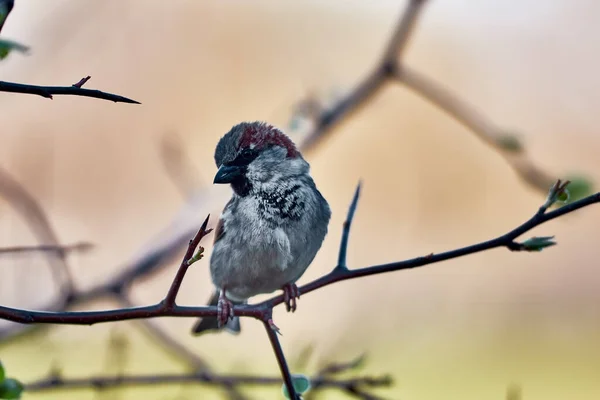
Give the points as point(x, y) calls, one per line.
point(290, 294)
point(224, 309)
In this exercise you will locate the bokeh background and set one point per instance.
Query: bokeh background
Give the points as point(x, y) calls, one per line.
point(462, 329)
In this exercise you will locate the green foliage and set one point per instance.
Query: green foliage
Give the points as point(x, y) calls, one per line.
point(6, 46)
point(579, 188)
point(301, 385)
point(538, 243)
point(9, 388)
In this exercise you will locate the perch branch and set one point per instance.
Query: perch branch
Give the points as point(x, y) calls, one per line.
point(262, 310)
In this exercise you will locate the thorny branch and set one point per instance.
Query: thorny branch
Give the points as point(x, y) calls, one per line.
point(390, 69)
point(74, 90)
point(263, 311)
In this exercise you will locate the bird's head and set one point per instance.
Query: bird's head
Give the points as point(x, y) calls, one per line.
point(252, 154)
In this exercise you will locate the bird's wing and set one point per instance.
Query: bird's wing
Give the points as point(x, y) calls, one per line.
point(219, 230)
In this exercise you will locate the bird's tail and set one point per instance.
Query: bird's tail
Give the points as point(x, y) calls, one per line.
point(207, 324)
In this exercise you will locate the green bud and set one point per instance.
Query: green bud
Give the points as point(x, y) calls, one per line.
point(538, 243)
point(579, 188)
point(10, 389)
point(301, 385)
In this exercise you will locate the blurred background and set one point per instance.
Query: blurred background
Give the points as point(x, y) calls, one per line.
point(465, 329)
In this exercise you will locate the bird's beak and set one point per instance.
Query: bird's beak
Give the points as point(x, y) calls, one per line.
point(228, 173)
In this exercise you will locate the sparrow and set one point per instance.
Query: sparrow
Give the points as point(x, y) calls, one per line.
point(272, 227)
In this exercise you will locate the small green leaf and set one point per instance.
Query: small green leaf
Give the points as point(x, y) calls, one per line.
point(2, 372)
point(6, 46)
point(538, 243)
point(579, 188)
point(6, 7)
point(197, 257)
point(11, 389)
point(301, 385)
point(510, 143)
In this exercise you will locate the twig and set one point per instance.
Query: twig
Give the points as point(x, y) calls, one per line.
point(73, 90)
point(37, 220)
point(391, 69)
point(371, 84)
point(346, 231)
point(82, 81)
point(57, 382)
point(474, 120)
point(76, 247)
point(169, 301)
point(507, 240)
point(281, 361)
point(261, 310)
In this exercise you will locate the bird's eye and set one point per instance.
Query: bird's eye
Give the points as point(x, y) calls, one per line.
point(245, 157)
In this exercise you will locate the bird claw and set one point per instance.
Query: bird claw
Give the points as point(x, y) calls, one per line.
point(224, 310)
point(290, 294)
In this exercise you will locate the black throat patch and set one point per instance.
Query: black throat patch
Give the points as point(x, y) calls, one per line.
point(281, 206)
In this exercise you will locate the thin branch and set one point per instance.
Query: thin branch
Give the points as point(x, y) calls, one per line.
point(56, 382)
point(39, 223)
point(346, 231)
point(174, 347)
point(169, 301)
point(73, 90)
point(391, 68)
point(82, 81)
point(281, 361)
point(371, 84)
point(507, 240)
point(262, 310)
point(50, 248)
point(474, 120)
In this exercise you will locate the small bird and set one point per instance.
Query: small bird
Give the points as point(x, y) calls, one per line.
point(271, 228)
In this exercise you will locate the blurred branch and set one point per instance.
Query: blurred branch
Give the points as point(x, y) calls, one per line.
point(71, 248)
point(73, 90)
point(57, 382)
point(391, 68)
point(326, 120)
point(34, 216)
point(263, 311)
point(503, 141)
point(178, 165)
point(156, 257)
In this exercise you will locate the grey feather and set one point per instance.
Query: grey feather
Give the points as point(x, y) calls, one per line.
point(270, 235)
